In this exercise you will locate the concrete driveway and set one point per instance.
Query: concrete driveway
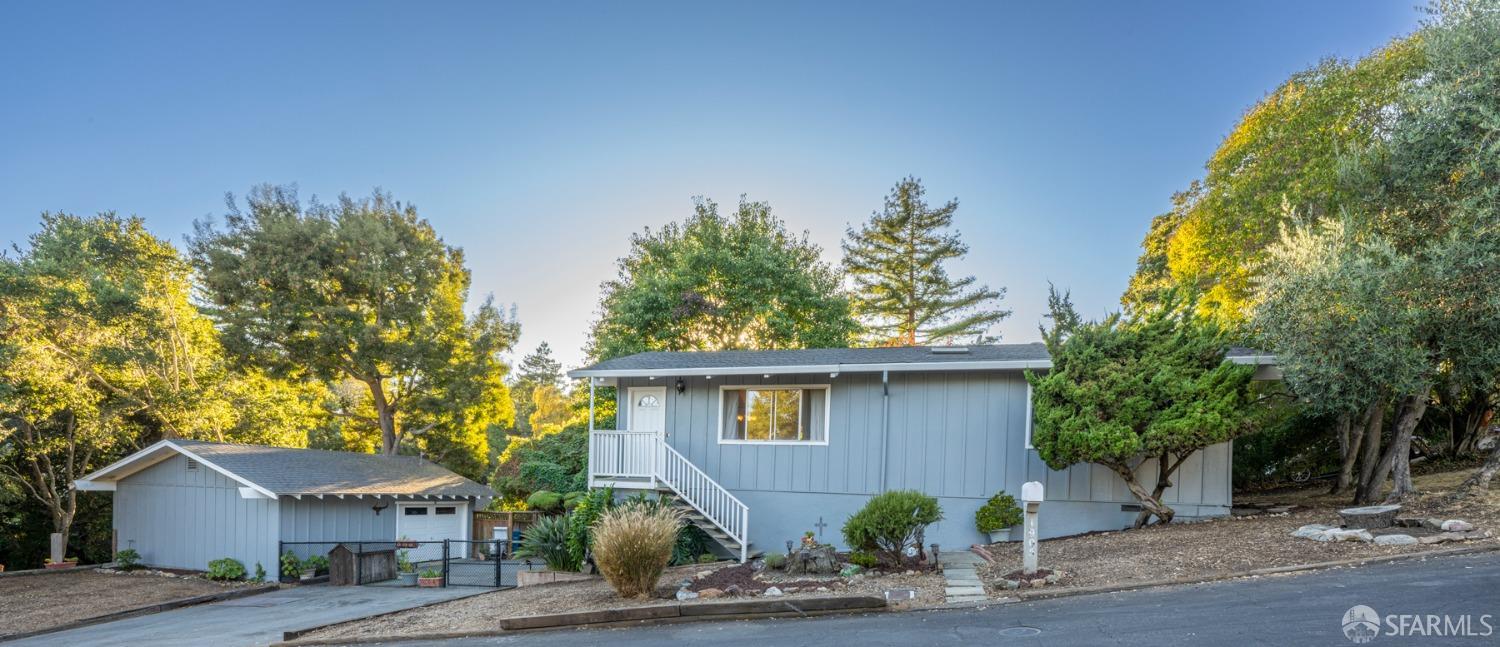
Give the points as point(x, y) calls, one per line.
point(255, 620)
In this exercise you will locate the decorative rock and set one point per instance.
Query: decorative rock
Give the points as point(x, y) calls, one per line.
point(1456, 525)
point(1372, 516)
point(1316, 531)
point(1039, 582)
point(1432, 524)
point(1010, 585)
point(818, 560)
point(709, 594)
point(772, 592)
point(1395, 540)
point(1353, 534)
point(734, 589)
point(703, 574)
point(684, 594)
point(911, 572)
point(851, 570)
point(822, 589)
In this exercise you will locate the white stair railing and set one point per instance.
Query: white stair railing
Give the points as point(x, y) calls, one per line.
point(706, 496)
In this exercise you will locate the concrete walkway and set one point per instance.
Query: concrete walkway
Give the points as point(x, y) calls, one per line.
point(250, 621)
point(962, 583)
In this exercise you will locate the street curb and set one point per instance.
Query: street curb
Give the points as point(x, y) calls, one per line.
point(1052, 594)
point(636, 616)
point(147, 610)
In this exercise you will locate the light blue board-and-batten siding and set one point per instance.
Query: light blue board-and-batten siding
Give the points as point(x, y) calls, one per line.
point(959, 436)
point(177, 517)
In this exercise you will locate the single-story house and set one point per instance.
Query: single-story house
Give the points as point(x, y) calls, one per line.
point(768, 445)
point(183, 503)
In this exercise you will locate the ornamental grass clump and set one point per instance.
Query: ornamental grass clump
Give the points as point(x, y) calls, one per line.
point(632, 546)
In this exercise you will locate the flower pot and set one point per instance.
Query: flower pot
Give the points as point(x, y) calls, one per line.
point(408, 579)
point(1003, 535)
point(53, 566)
point(309, 574)
point(430, 582)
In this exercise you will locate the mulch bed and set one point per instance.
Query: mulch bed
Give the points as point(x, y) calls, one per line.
point(54, 599)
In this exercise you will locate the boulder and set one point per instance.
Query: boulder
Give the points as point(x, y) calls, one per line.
point(684, 595)
point(709, 594)
point(1395, 540)
point(1371, 516)
point(1314, 531)
point(1352, 534)
point(773, 592)
point(1456, 525)
point(817, 560)
point(1010, 585)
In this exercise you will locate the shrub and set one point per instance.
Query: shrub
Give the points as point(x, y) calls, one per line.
point(547, 540)
point(317, 563)
point(225, 569)
point(260, 573)
point(863, 559)
point(581, 521)
point(632, 546)
point(128, 559)
point(999, 512)
point(403, 561)
point(891, 522)
point(290, 564)
point(691, 542)
point(571, 499)
point(544, 500)
point(707, 558)
point(775, 561)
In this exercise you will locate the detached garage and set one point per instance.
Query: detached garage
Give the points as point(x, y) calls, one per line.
point(183, 503)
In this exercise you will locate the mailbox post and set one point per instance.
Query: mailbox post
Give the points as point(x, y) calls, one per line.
point(1031, 497)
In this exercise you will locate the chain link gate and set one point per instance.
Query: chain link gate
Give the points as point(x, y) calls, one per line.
point(460, 562)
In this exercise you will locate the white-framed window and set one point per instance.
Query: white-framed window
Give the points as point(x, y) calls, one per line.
point(793, 414)
point(1028, 416)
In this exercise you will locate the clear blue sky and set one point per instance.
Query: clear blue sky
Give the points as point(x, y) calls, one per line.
point(539, 137)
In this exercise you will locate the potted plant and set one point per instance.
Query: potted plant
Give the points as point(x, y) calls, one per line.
point(998, 517)
point(313, 565)
point(291, 565)
point(406, 570)
point(430, 578)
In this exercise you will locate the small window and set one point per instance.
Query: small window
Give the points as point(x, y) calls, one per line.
point(649, 401)
point(415, 512)
point(192, 464)
point(446, 509)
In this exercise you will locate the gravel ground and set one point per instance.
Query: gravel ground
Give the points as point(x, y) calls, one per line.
point(34, 602)
point(480, 612)
point(1237, 544)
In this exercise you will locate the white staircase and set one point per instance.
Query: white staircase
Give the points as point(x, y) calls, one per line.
point(620, 457)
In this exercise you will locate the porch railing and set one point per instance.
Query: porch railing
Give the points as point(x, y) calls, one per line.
point(622, 454)
point(643, 455)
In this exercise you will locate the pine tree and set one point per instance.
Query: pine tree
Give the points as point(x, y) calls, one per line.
point(903, 294)
point(537, 370)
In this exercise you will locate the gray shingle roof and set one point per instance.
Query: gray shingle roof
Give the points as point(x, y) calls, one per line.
point(1032, 355)
point(285, 471)
point(661, 360)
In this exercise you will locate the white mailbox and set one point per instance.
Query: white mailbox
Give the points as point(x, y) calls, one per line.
point(1031, 492)
point(1031, 495)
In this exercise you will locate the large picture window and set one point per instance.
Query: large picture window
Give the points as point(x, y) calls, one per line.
point(774, 414)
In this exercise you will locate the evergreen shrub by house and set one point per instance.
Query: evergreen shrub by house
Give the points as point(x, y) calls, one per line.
point(890, 523)
point(547, 540)
point(632, 546)
point(999, 513)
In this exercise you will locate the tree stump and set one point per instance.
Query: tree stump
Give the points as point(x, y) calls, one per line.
point(1368, 517)
point(818, 560)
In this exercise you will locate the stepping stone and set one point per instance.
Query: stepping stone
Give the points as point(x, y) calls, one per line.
point(967, 598)
point(963, 590)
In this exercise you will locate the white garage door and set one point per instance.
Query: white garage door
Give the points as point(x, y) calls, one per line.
point(433, 521)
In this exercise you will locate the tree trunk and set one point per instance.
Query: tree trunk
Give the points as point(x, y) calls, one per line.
point(1480, 480)
point(1411, 414)
point(1370, 453)
point(386, 414)
point(1150, 501)
point(1349, 443)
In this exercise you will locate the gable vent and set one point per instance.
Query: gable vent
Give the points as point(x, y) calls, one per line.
point(950, 350)
point(192, 464)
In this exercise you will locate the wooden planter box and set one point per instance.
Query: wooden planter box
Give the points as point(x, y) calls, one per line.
point(429, 582)
point(59, 565)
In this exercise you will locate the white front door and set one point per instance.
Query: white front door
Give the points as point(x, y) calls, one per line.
point(432, 521)
point(648, 412)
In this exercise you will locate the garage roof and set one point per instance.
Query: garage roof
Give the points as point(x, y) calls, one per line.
point(285, 471)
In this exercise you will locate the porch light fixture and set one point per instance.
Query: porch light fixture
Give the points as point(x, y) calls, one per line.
point(681, 387)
